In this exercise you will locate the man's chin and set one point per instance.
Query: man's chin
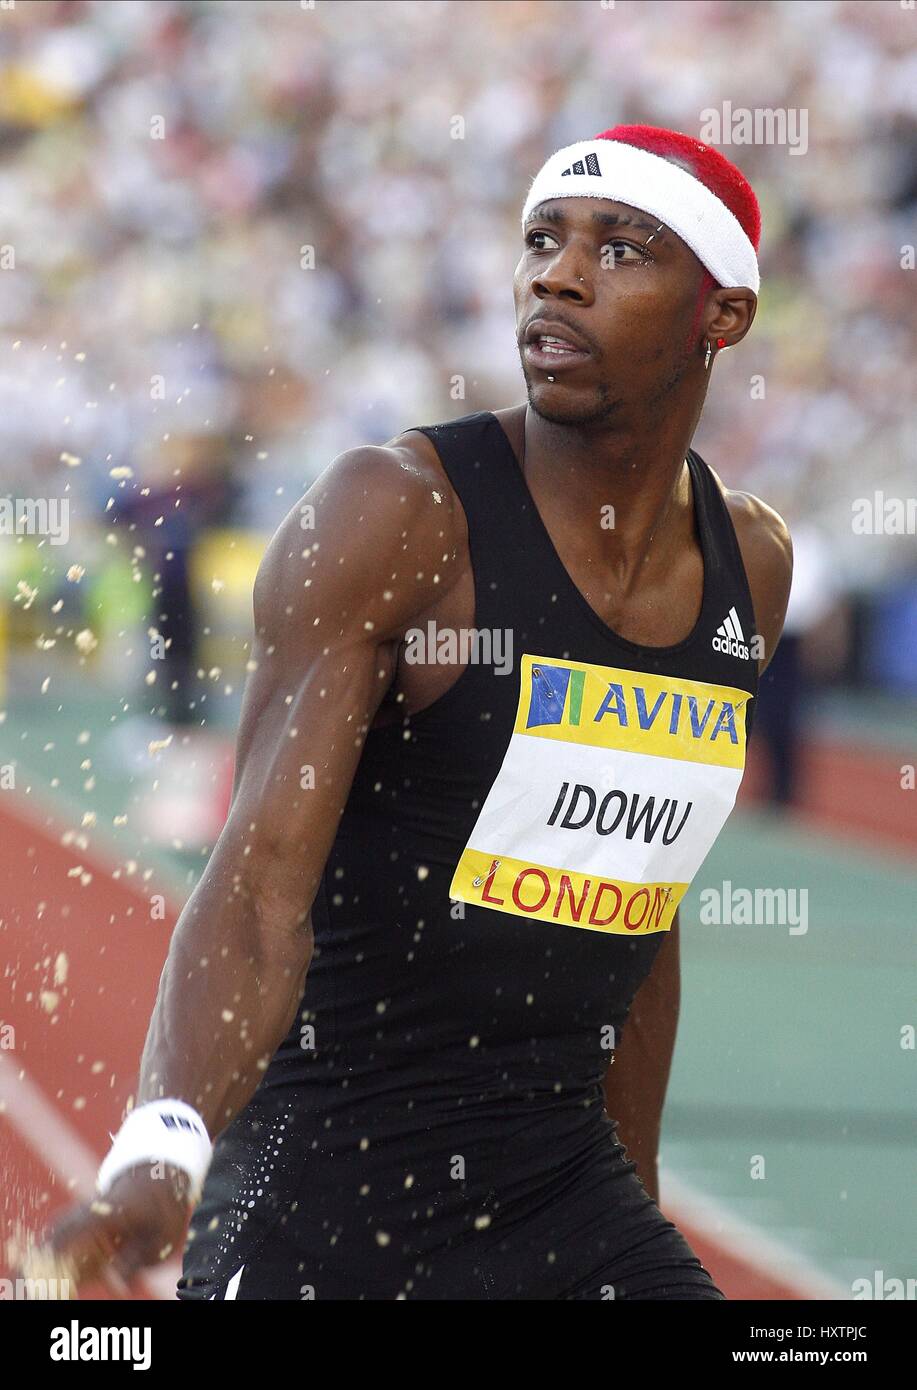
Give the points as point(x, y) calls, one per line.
point(561, 407)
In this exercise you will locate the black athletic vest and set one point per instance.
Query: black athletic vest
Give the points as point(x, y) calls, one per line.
point(436, 1032)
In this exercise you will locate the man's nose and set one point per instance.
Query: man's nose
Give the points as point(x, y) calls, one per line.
point(565, 277)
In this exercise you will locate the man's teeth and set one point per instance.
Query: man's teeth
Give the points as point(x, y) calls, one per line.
point(556, 345)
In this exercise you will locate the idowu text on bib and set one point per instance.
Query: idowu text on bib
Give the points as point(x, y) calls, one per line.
point(614, 786)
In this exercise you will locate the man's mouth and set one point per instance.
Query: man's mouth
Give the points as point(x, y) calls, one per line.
point(550, 352)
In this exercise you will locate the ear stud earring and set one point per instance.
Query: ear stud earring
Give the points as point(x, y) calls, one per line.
point(720, 343)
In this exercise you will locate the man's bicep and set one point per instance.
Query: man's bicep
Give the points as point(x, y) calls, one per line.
point(648, 1036)
point(330, 603)
point(660, 994)
point(636, 1083)
point(304, 741)
point(767, 554)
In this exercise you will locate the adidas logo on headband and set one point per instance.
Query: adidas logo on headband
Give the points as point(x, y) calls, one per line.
point(592, 167)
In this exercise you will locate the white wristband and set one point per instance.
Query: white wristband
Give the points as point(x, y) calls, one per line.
point(162, 1131)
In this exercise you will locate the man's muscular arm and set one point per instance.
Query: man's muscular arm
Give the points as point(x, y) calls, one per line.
point(767, 553)
point(331, 605)
point(636, 1082)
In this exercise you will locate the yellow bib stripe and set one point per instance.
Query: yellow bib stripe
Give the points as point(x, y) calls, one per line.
point(562, 895)
point(610, 708)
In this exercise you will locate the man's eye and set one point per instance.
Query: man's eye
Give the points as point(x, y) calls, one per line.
point(534, 240)
point(618, 252)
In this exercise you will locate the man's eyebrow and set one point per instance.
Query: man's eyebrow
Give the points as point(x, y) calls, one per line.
point(603, 219)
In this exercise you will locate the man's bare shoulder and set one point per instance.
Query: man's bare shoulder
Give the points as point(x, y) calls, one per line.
point(767, 553)
point(374, 483)
point(380, 530)
point(416, 455)
point(763, 536)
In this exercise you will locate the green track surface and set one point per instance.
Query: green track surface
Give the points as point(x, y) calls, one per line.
point(789, 1047)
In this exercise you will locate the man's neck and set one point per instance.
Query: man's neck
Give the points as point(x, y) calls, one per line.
point(641, 474)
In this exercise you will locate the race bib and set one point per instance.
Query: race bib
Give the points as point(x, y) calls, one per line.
point(614, 786)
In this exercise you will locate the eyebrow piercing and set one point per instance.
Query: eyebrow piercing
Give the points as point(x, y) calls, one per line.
point(646, 243)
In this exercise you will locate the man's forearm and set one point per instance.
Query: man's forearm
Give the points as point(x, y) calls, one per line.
point(637, 1079)
point(228, 995)
point(638, 1113)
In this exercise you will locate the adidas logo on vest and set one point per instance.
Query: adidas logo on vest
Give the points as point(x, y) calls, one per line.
point(729, 636)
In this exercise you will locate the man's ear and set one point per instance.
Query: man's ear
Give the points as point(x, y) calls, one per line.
point(730, 314)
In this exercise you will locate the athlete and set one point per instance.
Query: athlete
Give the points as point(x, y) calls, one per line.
point(504, 674)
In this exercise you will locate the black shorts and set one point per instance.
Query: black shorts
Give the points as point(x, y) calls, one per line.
point(598, 1236)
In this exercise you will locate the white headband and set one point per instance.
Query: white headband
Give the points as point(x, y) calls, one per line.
point(625, 174)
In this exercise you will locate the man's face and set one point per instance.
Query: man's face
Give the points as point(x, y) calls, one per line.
point(628, 294)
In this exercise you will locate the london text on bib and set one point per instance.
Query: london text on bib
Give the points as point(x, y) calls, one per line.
point(614, 786)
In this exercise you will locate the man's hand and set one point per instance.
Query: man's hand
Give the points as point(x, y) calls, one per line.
point(140, 1221)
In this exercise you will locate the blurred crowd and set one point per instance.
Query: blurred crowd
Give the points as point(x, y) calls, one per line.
point(248, 236)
